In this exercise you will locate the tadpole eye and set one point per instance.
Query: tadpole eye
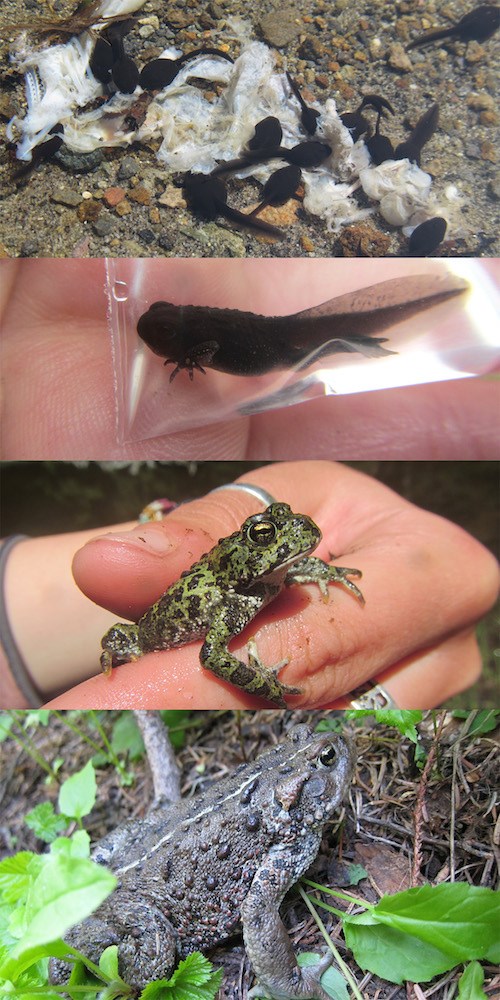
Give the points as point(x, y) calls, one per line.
point(328, 756)
point(262, 533)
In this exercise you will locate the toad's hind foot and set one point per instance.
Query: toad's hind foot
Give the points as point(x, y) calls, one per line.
point(270, 674)
point(254, 677)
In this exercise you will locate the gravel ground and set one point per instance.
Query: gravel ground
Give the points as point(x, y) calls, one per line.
point(338, 49)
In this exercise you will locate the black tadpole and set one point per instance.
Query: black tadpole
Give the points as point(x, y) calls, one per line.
point(44, 151)
point(207, 195)
point(356, 122)
point(244, 343)
point(426, 237)
point(279, 188)
point(305, 154)
point(159, 73)
point(267, 134)
point(308, 116)
point(424, 129)
point(476, 26)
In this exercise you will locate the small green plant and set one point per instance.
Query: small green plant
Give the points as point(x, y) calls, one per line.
point(420, 933)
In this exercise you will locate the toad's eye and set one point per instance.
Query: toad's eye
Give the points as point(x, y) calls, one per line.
point(262, 533)
point(327, 756)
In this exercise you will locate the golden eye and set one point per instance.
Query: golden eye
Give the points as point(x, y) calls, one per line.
point(328, 756)
point(262, 532)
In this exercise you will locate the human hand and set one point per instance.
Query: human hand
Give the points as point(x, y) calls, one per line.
point(426, 583)
point(58, 379)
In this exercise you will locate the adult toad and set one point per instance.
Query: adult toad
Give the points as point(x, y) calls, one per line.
point(191, 875)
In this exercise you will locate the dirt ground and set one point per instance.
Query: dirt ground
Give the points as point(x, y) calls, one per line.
point(392, 816)
point(342, 50)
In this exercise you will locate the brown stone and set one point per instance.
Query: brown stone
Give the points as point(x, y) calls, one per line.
point(123, 208)
point(281, 26)
point(88, 210)
point(141, 195)
point(113, 196)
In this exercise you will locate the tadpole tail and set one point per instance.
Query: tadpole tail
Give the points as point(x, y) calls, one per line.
point(251, 220)
point(431, 36)
point(353, 317)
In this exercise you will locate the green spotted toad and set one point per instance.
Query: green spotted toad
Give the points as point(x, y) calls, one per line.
point(221, 593)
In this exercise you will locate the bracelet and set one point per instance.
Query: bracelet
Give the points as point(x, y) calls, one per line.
point(20, 677)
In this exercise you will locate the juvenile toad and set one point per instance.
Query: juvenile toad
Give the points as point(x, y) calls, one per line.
point(224, 591)
point(191, 875)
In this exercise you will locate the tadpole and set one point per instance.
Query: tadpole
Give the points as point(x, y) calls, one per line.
point(424, 129)
point(476, 26)
point(244, 343)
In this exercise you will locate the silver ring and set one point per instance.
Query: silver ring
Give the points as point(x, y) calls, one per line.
point(372, 697)
point(254, 491)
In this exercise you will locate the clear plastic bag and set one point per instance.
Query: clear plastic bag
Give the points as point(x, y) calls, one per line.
point(453, 338)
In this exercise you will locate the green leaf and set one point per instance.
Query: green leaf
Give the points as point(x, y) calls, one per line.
point(78, 793)
point(66, 891)
point(126, 737)
point(6, 723)
point(37, 717)
point(16, 874)
point(482, 722)
point(14, 968)
point(194, 979)
point(44, 822)
point(108, 962)
point(470, 984)
point(404, 720)
point(176, 719)
point(356, 873)
point(332, 980)
point(391, 954)
point(459, 919)
point(76, 846)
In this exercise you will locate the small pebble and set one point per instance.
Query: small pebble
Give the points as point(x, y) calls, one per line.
point(281, 26)
point(398, 59)
point(104, 225)
point(113, 196)
point(65, 196)
point(128, 168)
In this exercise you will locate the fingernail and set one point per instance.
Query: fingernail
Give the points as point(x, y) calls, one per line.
point(148, 537)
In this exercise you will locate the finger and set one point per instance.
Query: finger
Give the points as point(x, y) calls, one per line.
point(444, 420)
point(430, 678)
point(175, 679)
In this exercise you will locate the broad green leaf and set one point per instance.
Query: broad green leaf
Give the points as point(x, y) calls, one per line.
point(76, 846)
point(14, 967)
point(470, 984)
point(392, 955)
point(77, 794)
point(66, 891)
point(44, 822)
point(176, 719)
point(126, 736)
point(16, 873)
point(459, 919)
